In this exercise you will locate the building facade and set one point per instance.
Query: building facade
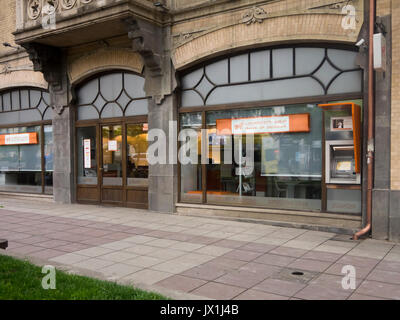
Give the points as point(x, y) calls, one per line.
point(89, 87)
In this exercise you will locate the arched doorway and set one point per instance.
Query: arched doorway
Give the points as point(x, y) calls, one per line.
point(111, 140)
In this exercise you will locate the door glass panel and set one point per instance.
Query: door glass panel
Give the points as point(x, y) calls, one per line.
point(137, 165)
point(191, 176)
point(87, 166)
point(112, 155)
point(48, 158)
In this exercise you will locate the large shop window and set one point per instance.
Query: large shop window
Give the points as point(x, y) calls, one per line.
point(21, 168)
point(26, 151)
point(270, 156)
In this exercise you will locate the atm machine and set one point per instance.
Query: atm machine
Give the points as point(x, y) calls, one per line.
point(342, 157)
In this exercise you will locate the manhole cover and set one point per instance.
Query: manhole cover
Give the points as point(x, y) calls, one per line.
point(293, 275)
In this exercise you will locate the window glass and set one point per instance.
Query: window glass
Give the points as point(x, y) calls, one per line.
point(87, 150)
point(112, 155)
point(191, 181)
point(137, 164)
point(48, 158)
point(20, 165)
point(282, 170)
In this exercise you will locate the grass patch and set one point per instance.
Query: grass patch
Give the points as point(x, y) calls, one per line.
point(21, 280)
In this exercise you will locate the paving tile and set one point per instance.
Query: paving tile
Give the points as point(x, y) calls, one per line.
point(47, 253)
point(279, 287)
point(257, 247)
point(173, 266)
point(52, 243)
point(357, 296)
point(32, 240)
point(181, 283)
point(143, 261)
point(72, 247)
point(379, 289)
point(259, 270)
point(385, 276)
point(117, 256)
point(117, 245)
point(290, 252)
point(315, 292)
point(358, 261)
point(233, 244)
point(218, 291)
point(213, 250)
point(225, 264)
point(322, 256)
point(259, 295)
point(186, 246)
point(204, 272)
point(336, 269)
point(165, 254)
point(272, 241)
point(93, 264)
point(305, 245)
point(240, 278)
point(275, 260)
point(162, 243)
point(69, 258)
point(118, 270)
point(389, 266)
point(94, 251)
point(27, 249)
point(147, 277)
point(332, 281)
point(242, 255)
point(205, 240)
point(141, 249)
point(139, 239)
point(310, 265)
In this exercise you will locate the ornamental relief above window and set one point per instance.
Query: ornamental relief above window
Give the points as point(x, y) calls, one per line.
point(36, 8)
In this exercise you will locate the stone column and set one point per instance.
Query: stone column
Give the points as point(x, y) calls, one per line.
point(51, 62)
point(163, 177)
point(152, 42)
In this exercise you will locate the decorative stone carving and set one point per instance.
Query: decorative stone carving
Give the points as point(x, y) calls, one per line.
point(68, 4)
point(254, 15)
point(34, 9)
point(58, 109)
point(86, 1)
point(47, 60)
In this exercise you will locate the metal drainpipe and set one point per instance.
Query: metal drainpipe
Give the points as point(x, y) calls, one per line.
point(371, 124)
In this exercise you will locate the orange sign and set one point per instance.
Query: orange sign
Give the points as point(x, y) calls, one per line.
point(18, 138)
point(260, 125)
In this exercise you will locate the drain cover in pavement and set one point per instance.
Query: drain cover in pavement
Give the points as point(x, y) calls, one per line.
point(295, 275)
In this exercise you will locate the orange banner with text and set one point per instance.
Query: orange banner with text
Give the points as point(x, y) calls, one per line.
point(260, 125)
point(18, 138)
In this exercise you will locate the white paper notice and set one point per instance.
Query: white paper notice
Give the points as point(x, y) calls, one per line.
point(87, 155)
point(112, 145)
point(17, 138)
point(261, 125)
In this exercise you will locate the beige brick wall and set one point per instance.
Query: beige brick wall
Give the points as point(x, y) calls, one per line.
point(7, 24)
point(395, 170)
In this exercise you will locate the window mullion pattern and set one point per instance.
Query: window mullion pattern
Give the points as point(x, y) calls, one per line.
point(272, 74)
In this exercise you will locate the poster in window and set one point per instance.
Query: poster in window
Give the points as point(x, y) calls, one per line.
point(87, 154)
point(112, 145)
point(341, 124)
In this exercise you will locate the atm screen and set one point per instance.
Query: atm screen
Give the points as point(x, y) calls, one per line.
point(343, 166)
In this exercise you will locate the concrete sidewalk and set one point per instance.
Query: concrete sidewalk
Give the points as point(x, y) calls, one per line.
point(195, 258)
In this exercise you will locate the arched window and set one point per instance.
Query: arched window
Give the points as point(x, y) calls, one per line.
point(273, 74)
point(117, 94)
point(23, 105)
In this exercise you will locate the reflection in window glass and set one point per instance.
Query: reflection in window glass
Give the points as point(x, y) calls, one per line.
point(48, 158)
point(137, 164)
point(86, 150)
point(20, 165)
point(287, 166)
point(191, 183)
point(112, 155)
